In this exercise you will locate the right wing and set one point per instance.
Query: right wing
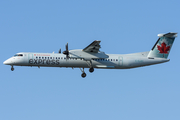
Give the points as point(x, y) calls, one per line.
point(93, 47)
point(90, 52)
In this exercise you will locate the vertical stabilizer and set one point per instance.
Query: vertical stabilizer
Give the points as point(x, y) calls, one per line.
point(163, 45)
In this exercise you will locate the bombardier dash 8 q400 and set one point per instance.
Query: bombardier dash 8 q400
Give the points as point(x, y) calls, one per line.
point(90, 57)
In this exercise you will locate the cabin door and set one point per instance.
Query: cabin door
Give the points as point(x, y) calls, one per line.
point(120, 58)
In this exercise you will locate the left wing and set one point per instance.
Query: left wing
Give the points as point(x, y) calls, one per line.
point(93, 47)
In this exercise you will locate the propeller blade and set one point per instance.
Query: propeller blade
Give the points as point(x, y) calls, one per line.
point(67, 57)
point(67, 47)
point(60, 50)
point(66, 52)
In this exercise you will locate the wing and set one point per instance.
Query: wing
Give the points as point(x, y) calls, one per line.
point(90, 52)
point(93, 47)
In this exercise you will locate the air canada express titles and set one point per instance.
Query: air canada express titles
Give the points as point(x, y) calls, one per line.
point(44, 61)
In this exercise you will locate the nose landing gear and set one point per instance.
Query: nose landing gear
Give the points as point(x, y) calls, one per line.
point(12, 68)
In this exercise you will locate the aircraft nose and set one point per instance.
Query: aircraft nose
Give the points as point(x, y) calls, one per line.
point(7, 62)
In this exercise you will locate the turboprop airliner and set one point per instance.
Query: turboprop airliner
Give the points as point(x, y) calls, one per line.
point(91, 57)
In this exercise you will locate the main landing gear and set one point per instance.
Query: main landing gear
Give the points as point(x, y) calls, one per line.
point(91, 69)
point(12, 68)
point(83, 75)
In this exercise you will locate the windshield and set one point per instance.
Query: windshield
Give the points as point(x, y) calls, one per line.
point(18, 55)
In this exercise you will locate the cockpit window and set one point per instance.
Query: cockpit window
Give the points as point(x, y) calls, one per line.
point(18, 55)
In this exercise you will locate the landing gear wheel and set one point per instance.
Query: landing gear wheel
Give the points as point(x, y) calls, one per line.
point(91, 69)
point(12, 69)
point(83, 75)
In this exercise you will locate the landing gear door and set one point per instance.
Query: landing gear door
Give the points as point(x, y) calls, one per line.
point(120, 60)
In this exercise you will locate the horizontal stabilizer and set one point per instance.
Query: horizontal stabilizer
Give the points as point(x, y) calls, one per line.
point(170, 34)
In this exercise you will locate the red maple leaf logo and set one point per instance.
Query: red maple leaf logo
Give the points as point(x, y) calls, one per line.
point(163, 48)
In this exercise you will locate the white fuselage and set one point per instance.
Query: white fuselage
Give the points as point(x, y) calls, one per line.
point(91, 57)
point(114, 61)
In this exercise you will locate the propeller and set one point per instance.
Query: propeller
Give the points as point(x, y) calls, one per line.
point(66, 52)
point(60, 50)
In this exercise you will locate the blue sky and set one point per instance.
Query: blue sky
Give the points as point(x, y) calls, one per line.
point(60, 93)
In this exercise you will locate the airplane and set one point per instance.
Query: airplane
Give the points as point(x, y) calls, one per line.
point(91, 57)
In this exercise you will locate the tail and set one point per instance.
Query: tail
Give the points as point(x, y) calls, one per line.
point(163, 45)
